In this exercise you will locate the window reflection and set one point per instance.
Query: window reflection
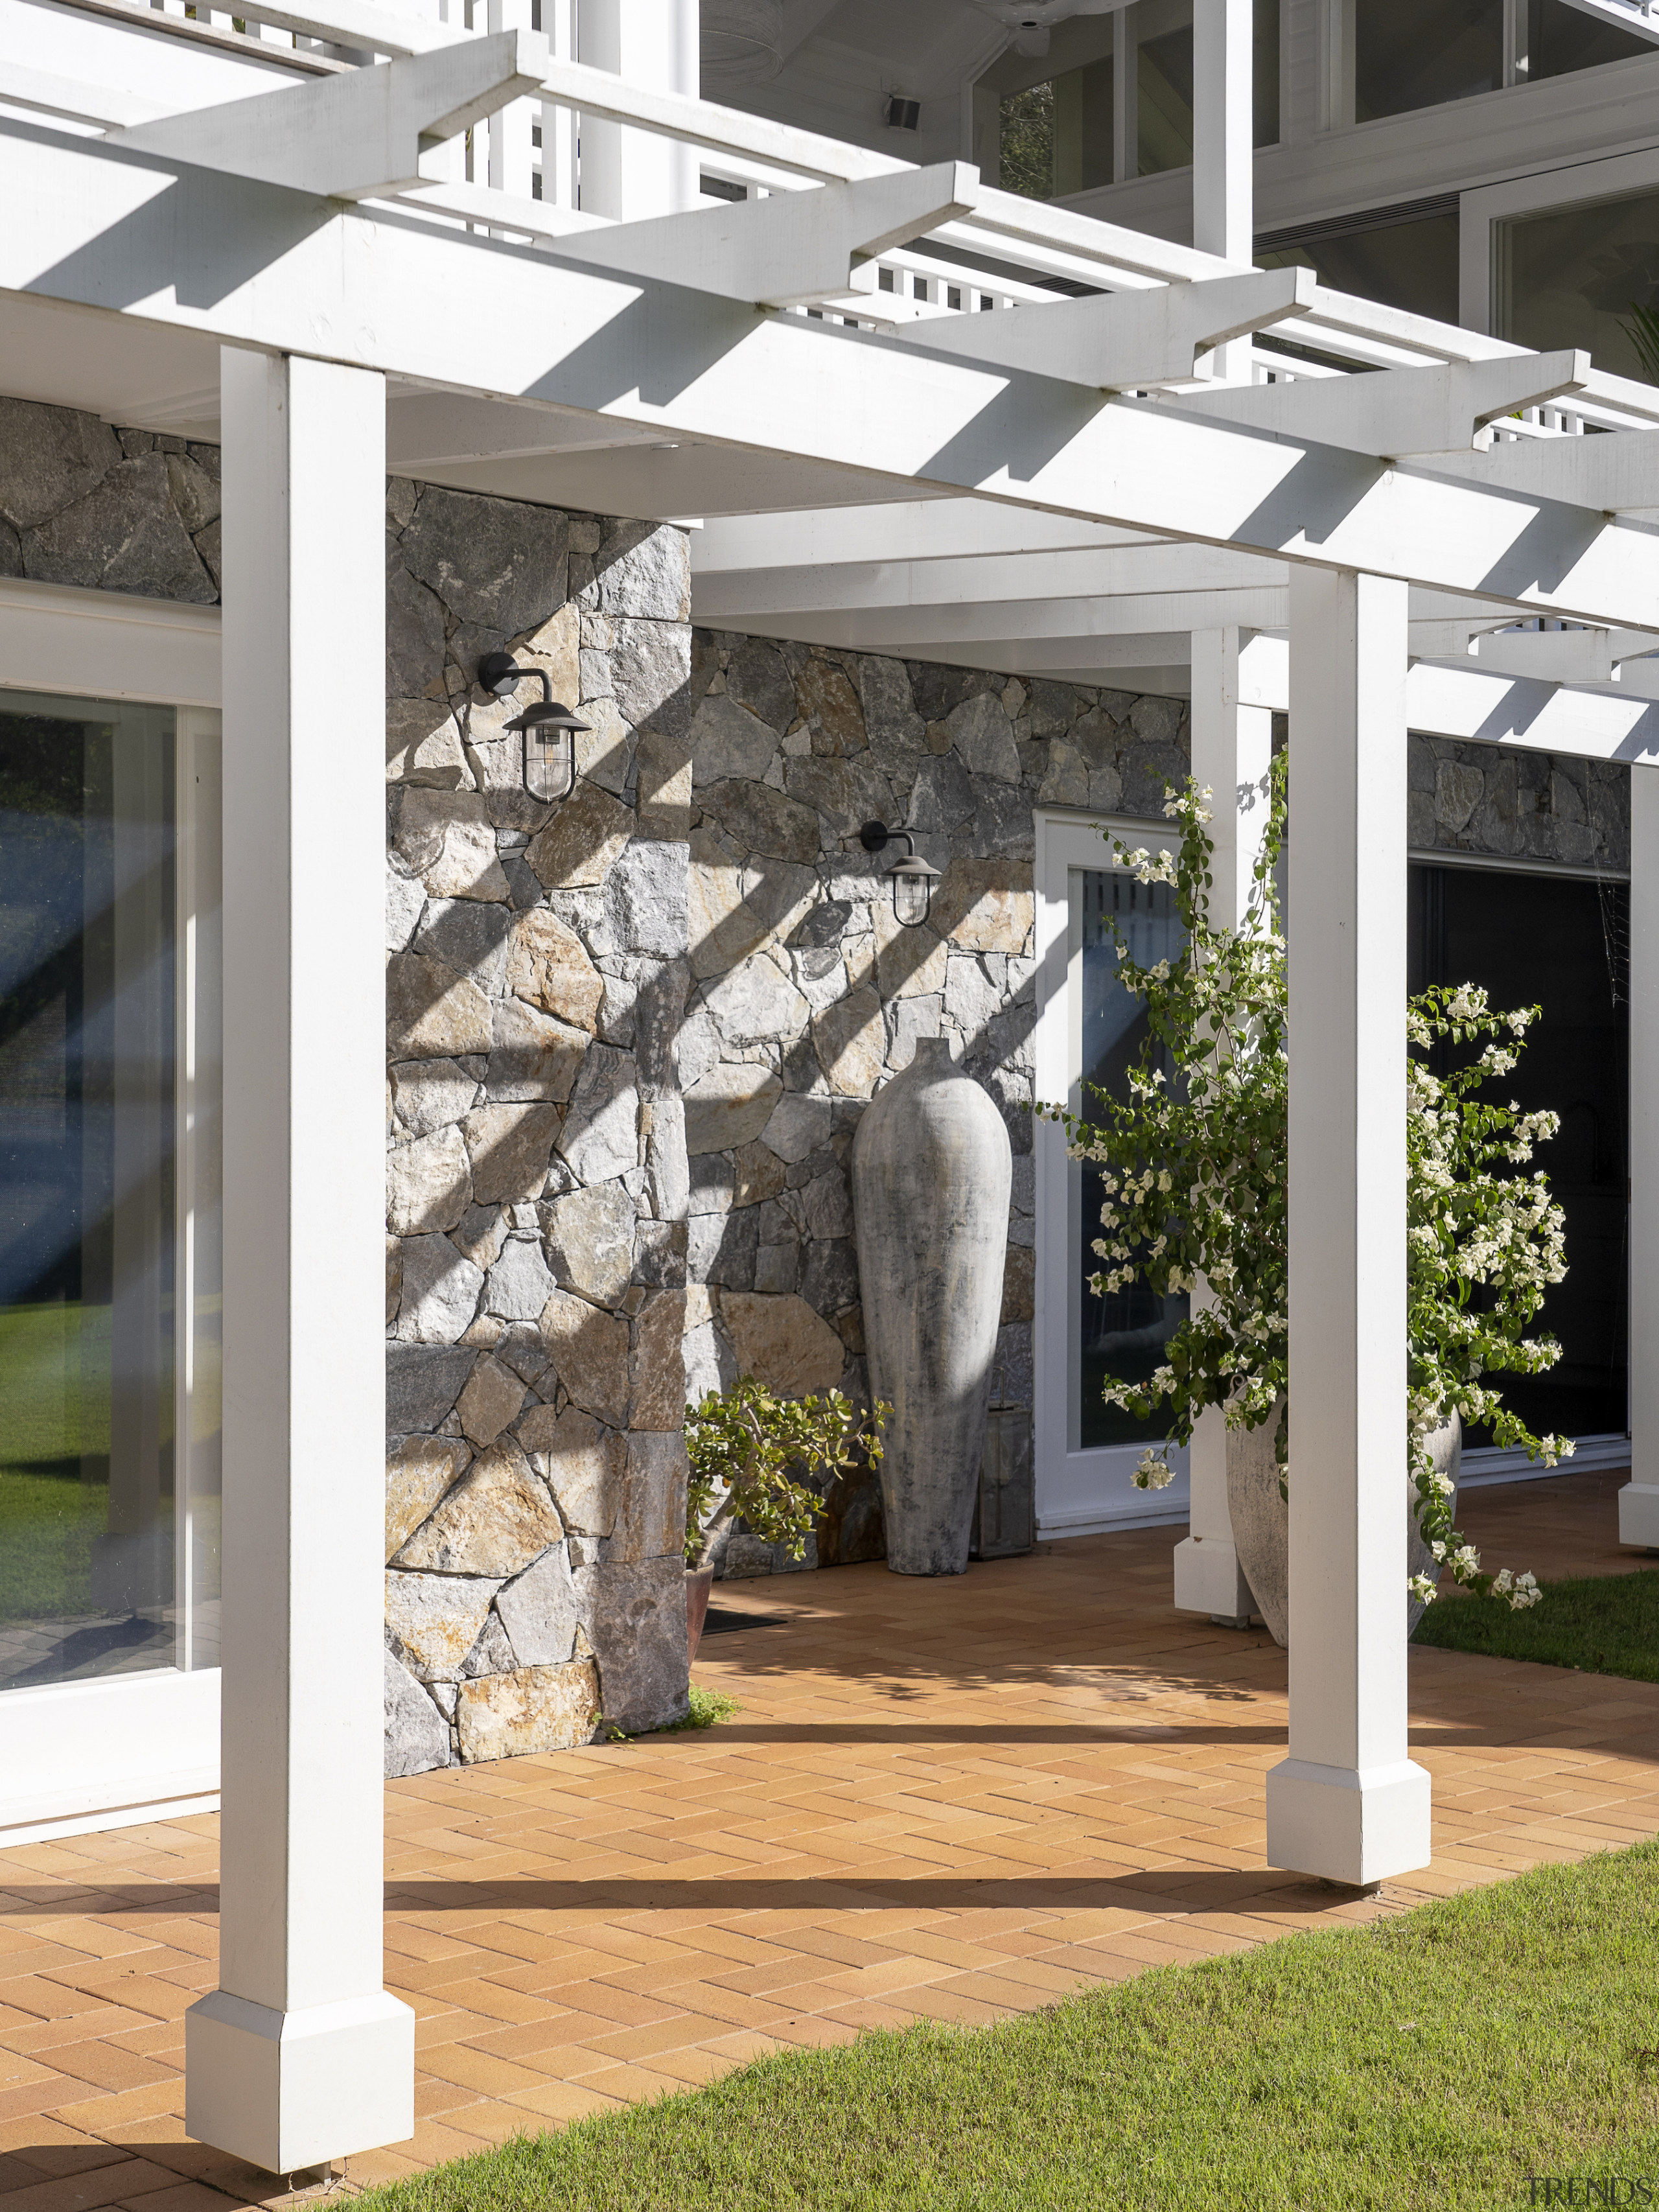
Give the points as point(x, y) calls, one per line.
point(1418, 53)
point(1408, 262)
point(1570, 276)
point(1122, 1335)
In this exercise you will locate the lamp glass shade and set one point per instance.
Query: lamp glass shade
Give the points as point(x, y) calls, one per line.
point(549, 761)
point(913, 891)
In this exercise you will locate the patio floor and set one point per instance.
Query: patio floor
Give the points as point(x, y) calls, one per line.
point(958, 1798)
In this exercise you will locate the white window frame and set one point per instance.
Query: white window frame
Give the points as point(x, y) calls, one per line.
point(111, 1752)
point(1544, 191)
point(1079, 1493)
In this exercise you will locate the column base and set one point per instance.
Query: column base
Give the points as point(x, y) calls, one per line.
point(1209, 1579)
point(1347, 1824)
point(1638, 1515)
point(294, 2089)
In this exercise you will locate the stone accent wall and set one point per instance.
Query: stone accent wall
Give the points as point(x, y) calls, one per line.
point(1514, 805)
point(535, 1164)
point(807, 993)
point(110, 510)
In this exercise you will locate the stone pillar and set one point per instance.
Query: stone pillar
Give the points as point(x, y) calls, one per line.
point(1348, 1804)
point(299, 2056)
point(632, 175)
point(1638, 1501)
point(1232, 745)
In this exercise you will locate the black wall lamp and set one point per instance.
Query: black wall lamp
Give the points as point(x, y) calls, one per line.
point(548, 729)
point(912, 879)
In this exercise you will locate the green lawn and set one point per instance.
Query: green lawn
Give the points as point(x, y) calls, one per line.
point(1438, 2059)
point(54, 1405)
point(1603, 1623)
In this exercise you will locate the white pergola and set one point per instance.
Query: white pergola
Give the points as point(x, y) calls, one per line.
point(274, 249)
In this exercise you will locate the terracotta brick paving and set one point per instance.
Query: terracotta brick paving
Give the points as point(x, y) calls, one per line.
point(957, 1800)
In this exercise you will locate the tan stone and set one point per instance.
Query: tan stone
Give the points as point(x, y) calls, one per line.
point(510, 1147)
point(827, 698)
point(652, 1522)
point(417, 1474)
point(491, 1400)
point(435, 1619)
point(448, 838)
point(547, 964)
point(581, 845)
point(780, 1340)
point(657, 1370)
point(590, 1240)
point(432, 1010)
point(532, 1056)
point(664, 786)
point(585, 1465)
point(985, 906)
point(760, 1174)
point(589, 1351)
point(602, 748)
point(729, 1105)
point(423, 746)
point(910, 964)
point(851, 1042)
point(495, 1520)
point(556, 647)
point(394, 1279)
point(535, 1709)
point(1020, 1283)
point(427, 1184)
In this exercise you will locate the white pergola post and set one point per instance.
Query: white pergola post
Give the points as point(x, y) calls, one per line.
point(635, 174)
point(1232, 747)
point(1348, 1804)
point(1638, 1501)
point(299, 2056)
point(1223, 128)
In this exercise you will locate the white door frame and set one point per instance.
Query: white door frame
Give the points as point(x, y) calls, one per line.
point(76, 1757)
point(1481, 210)
point(1079, 1493)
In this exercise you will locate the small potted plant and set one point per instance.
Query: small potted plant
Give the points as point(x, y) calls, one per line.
point(745, 1444)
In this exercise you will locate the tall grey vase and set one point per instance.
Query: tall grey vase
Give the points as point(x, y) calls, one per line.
point(932, 1166)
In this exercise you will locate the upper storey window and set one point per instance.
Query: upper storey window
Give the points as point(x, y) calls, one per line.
point(1407, 54)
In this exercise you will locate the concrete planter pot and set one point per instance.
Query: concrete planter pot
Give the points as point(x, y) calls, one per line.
point(1261, 1519)
point(932, 1166)
point(699, 1581)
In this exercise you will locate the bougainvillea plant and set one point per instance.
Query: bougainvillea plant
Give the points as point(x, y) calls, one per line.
point(1194, 1168)
point(743, 1444)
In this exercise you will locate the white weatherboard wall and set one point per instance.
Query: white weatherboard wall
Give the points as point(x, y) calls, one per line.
point(1348, 1804)
point(299, 2056)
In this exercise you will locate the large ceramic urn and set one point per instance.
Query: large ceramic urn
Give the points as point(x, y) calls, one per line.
point(932, 1166)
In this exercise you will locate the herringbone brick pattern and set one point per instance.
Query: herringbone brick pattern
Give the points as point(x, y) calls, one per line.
point(955, 1799)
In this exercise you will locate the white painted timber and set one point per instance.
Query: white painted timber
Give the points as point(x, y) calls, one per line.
point(359, 134)
point(1638, 1501)
point(1617, 473)
point(1348, 1804)
point(1232, 747)
point(1402, 411)
point(630, 174)
point(299, 2056)
point(80, 1756)
point(107, 645)
point(1636, 17)
point(1222, 130)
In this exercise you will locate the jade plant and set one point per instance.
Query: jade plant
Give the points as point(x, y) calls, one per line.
point(747, 1446)
point(1194, 1169)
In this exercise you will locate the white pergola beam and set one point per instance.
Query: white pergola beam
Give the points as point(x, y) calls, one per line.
point(1400, 412)
point(355, 135)
point(1072, 626)
point(1616, 472)
point(1636, 17)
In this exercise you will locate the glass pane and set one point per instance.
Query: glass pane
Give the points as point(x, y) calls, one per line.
point(1164, 102)
point(86, 1189)
point(1026, 142)
point(1264, 76)
point(1570, 277)
point(1418, 53)
point(1122, 1336)
point(1560, 39)
point(1083, 128)
point(1412, 266)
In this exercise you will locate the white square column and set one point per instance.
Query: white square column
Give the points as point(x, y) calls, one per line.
point(299, 2056)
point(1224, 54)
point(1348, 1804)
point(1232, 749)
point(626, 174)
point(1638, 1501)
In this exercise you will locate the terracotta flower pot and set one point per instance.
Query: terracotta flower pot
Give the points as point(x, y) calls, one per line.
point(699, 1581)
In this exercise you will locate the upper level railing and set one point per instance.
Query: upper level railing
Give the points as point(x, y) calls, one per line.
point(518, 176)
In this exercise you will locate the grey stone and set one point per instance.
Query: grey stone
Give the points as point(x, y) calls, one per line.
point(667, 1167)
point(590, 1239)
point(585, 1465)
point(123, 536)
point(413, 632)
point(446, 838)
point(650, 1521)
point(50, 458)
point(1054, 707)
point(1001, 824)
point(844, 793)
point(509, 1148)
point(756, 677)
point(1149, 773)
point(589, 1351)
point(651, 670)
point(405, 900)
point(600, 1136)
point(830, 1280)
point(982, 734)
point(942, 797)
point(1066, 783)
point(583, 841)
point(756, 1001)
point(644, 898)
point(782, 1342)
point(423, 746)
point(538, 1610)
point(498, 1517)
point(417, 1732)
point(710, 1183)
point(636, 1617)
point(762, 820)
point(492, 1654)
point(1157, 721)
point(481, 1233)
point(427, 1184)
point(432, 1010)
point(432, 1621)
point(531, 1055)
point(823, 928)
point(971, 1000)
point(889, 708)
point(1458, 793)
point(728, 741)
point(522, 1350)
point(777, 1269)
point(735, 907)
point(799, 1126)
point(492, 1400)
point(439, 1292)
point(193, 490)
point(659, 1010)
point(828, 1205)
point(932, 1170)
point(729, 1105)
point(492, 561)
point(427, 1094)
point(423, 1382)
point(721, 1248)
point(643, 568)
point(519, 1281)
